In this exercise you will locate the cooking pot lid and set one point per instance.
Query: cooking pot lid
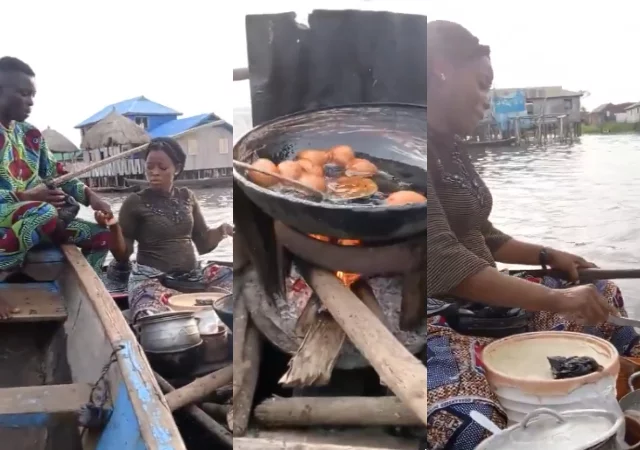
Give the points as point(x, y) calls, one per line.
point(549, 430)
point(166, 316)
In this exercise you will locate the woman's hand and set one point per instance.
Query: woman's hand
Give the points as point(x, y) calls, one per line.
point(584, 303)
point(568, 263)
point(226, 229)
point(97, 203)
point(105, 219)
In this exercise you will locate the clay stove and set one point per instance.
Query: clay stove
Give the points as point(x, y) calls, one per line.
point(353, 258)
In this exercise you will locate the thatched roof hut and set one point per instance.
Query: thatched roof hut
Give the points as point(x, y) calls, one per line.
point(58, 143)
point(114, 129)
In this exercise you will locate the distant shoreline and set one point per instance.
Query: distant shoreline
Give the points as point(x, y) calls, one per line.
point(612, 128)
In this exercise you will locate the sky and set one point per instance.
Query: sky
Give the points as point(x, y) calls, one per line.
point(95, 54)
point(182, 54)
point(577, 45)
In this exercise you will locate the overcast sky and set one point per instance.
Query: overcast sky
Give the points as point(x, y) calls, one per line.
point(579, 46)
point(88, 55)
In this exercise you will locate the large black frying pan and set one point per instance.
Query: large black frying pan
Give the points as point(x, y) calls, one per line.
point(392, 136)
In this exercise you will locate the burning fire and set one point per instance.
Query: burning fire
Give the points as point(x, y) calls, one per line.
point(347, 278)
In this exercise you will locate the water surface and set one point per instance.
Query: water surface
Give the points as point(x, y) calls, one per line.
point(584, 199)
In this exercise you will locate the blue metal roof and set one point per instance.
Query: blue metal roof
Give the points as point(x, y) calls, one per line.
point(139, 106)
point(180, 125)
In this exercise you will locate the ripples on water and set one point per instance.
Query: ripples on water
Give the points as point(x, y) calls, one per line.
point(584, 199)
point(216, 205)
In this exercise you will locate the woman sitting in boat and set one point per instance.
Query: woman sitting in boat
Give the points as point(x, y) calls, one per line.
point(166, 222)
point(463, 250)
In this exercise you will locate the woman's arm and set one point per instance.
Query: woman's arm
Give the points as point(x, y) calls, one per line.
point(205, 239)
point(508, 250)
point(517, 252)
point(120, 247)
point(124, 231)
point(453, 269)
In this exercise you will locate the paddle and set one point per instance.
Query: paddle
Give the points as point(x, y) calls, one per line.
point(586, 275)
point(92, 166)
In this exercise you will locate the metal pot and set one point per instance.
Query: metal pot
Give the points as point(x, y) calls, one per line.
point(588, 429)
point(631, 401)
point(208, 320)
point(176, 363)
point(167, 332)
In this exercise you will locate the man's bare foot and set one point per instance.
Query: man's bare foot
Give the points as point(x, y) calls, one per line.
point(6, 311)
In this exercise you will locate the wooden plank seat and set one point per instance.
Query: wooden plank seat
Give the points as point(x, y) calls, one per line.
point(34, 302)
point(38, 406)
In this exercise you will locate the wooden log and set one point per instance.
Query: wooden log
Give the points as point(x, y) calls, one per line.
point(364, 292)
point(199, 389)
point(278, 444)
point(314, 361)
point(240, 323)
point(218, 412)
point(402, 372)
point(28, 406)
point(241, 74)
point(307, 317)
point(243, 397)
point(334, 411)
point(220, 432)
point(414, 300)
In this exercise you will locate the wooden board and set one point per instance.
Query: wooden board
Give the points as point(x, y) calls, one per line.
point(35, 304)
point(52, 400)
point(402, 372)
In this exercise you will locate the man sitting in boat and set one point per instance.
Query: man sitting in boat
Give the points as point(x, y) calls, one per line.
point(463, 250)
point(28, 209)
point(166, 222)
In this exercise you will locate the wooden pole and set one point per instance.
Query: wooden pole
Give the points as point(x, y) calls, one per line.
point(334, 411)
point(240, 74)
point(402, 372)
point(199, 415)
point(197, 390)
point(89, 167)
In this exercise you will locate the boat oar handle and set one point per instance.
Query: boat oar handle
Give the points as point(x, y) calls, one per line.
point(587, 275)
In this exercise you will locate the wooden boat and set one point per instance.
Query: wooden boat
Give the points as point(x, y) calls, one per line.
point(201, 183)
point(499, 143)
point(115, 189)
point(72, 374)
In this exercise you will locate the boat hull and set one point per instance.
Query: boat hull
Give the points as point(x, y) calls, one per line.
point(94, 345)
point(484, 144)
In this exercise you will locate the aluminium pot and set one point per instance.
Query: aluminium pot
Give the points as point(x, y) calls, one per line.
point(168, 332)
point(587, 429)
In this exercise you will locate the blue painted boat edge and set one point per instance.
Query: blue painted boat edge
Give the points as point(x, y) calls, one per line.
point(35, 420)
point(123, 432)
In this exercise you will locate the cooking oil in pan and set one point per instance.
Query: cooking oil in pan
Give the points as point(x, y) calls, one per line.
point(392, 177)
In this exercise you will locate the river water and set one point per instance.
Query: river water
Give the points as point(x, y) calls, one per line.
point(583, 199)
point(216, 205)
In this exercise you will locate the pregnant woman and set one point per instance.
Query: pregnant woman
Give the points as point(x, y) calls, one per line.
point(166, 222)
point(463, 248)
